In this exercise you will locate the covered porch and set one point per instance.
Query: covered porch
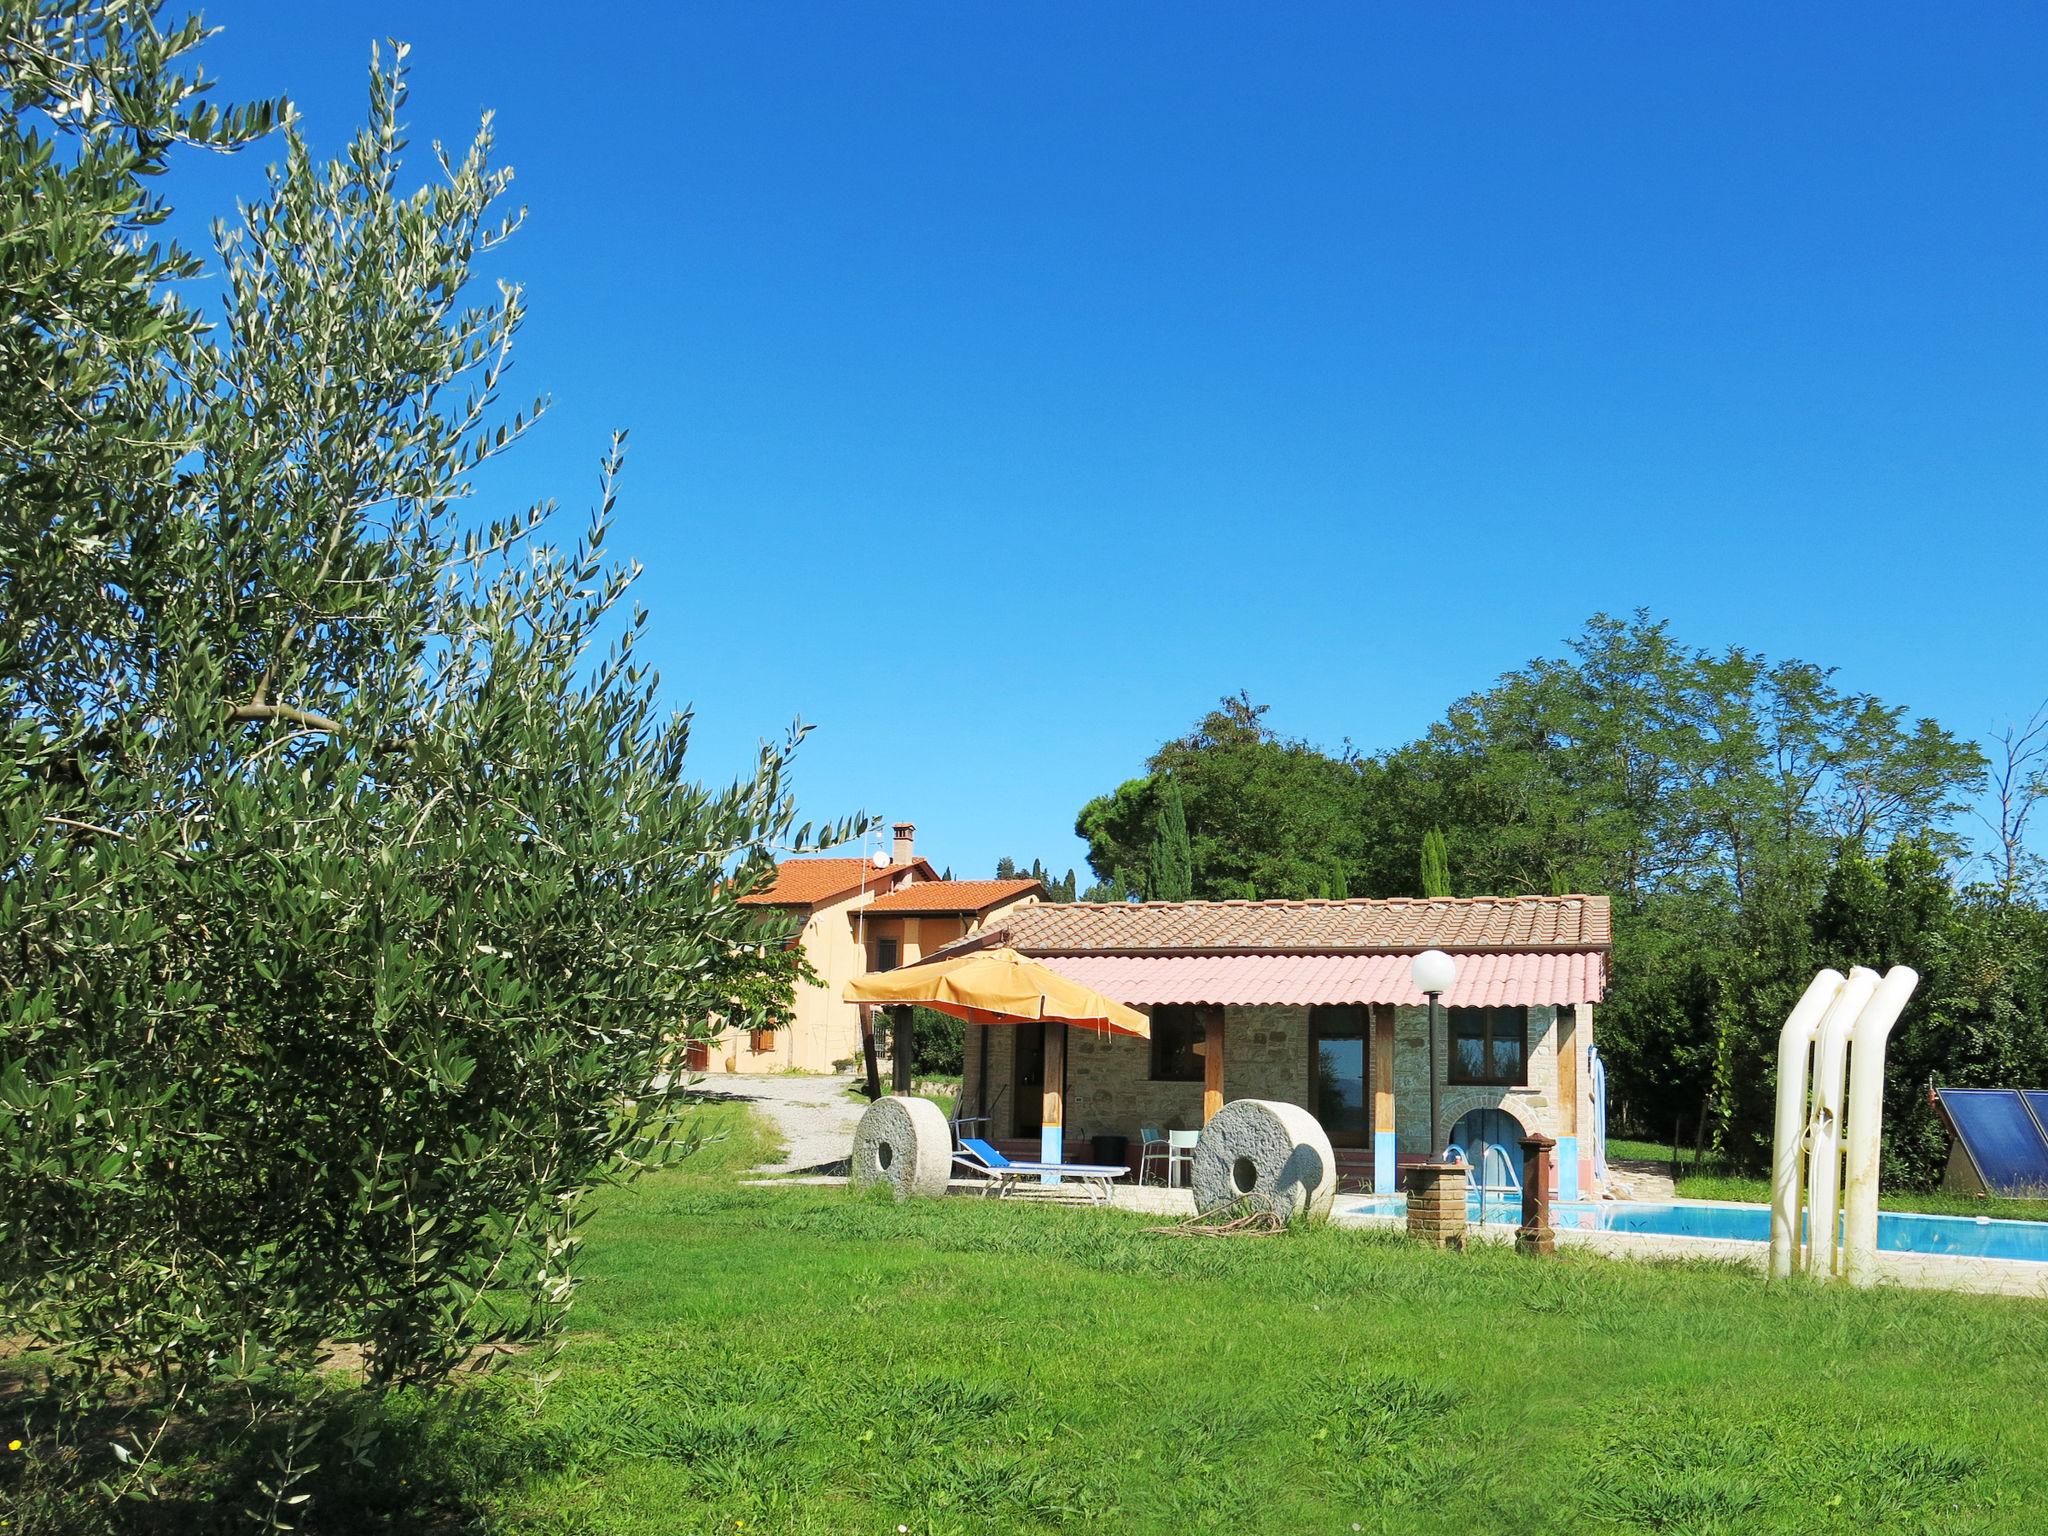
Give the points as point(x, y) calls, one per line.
point(1332, 1022)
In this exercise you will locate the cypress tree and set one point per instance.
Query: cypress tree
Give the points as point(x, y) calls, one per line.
point(1436, 865)
point(1173, 857)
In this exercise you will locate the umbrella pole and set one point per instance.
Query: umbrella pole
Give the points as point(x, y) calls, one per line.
point(903, 1037)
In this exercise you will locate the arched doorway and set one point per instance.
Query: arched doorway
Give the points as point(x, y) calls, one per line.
point(1491, 1140)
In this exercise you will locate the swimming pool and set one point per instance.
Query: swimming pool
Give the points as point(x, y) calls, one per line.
point(1975, 1237)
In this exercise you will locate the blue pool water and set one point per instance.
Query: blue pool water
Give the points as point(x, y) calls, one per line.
point(1976, 1237)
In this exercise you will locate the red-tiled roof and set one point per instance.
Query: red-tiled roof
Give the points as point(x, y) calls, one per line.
point(806, 882)
point(1401, 926)
point(1516, 978)
point(947, 896)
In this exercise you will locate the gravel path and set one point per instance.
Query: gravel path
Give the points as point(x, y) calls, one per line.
point(814, 1116)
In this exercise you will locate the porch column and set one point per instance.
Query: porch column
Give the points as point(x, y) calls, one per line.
point(1212, 1063)
point(1051, 1132)
point(903, 1042)
point(1384, 1181)
point(1567, 1028)
point(867, 1052)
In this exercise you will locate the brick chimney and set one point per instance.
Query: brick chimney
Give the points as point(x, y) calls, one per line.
point(905, 834)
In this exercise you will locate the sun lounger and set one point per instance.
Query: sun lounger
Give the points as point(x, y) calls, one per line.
point(1090, 1180)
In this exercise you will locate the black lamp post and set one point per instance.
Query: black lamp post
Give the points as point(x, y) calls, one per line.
point(1433, 973)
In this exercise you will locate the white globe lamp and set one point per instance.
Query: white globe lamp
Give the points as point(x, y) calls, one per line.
point(1433, 972)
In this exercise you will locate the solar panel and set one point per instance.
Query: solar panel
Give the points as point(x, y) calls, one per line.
point(2037, 1101)
point(2003, 1137)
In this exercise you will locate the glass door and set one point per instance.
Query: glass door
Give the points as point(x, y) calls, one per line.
point(1343, 1096)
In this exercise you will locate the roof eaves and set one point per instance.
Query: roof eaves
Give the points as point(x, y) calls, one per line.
point(1133, 951)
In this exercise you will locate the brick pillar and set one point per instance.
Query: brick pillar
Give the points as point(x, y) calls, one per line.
point(1534, 1237)
point(1436, 1204)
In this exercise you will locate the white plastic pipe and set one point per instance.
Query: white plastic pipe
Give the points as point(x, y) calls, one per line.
point(1866, 1121)
point(1824, 1130)
point(1787, 1149)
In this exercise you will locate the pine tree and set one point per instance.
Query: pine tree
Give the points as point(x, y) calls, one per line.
point(1436, 865)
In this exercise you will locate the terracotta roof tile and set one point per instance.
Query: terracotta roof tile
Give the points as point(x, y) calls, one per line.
point(1397, 925)
point(953, 895)
point(1515, 977)
point(806, 882)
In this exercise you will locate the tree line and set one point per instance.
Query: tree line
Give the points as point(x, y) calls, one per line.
point(1751, 820)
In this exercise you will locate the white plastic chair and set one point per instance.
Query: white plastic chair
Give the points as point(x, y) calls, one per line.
point(1151, 1149)
point(1180, 1154)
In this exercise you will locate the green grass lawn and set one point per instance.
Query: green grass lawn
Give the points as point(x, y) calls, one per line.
point(1645, 1151)
point(803, 1360)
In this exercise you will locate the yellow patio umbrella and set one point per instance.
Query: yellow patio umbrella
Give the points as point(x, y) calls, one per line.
point(1000, 986)
point(997, 986)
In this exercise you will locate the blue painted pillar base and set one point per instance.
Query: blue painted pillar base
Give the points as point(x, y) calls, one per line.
point(1567, 1156)
point(1384, 1180)
point(1051, 1140)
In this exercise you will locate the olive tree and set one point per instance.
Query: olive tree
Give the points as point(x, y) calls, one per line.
point(357, 895)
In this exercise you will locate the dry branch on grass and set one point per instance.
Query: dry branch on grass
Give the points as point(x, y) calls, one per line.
point(1219, 1223)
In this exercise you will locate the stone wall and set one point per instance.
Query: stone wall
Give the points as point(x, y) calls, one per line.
point(1534, 1107)
point(1000, 1041)
point(1266, 1055)
point(1109, 1088)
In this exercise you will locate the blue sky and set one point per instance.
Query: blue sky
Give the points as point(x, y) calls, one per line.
point(1006, 383)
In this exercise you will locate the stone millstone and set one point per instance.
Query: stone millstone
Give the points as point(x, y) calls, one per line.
point(1270, 1156)
point(905, 1144)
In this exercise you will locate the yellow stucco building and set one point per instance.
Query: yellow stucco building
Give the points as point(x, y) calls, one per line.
point(857, 915)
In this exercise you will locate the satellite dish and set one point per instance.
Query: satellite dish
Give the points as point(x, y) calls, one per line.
point(881, 858)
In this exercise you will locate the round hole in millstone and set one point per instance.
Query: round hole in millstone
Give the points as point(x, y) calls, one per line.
point(1244, 1175)
point(884, 1154)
